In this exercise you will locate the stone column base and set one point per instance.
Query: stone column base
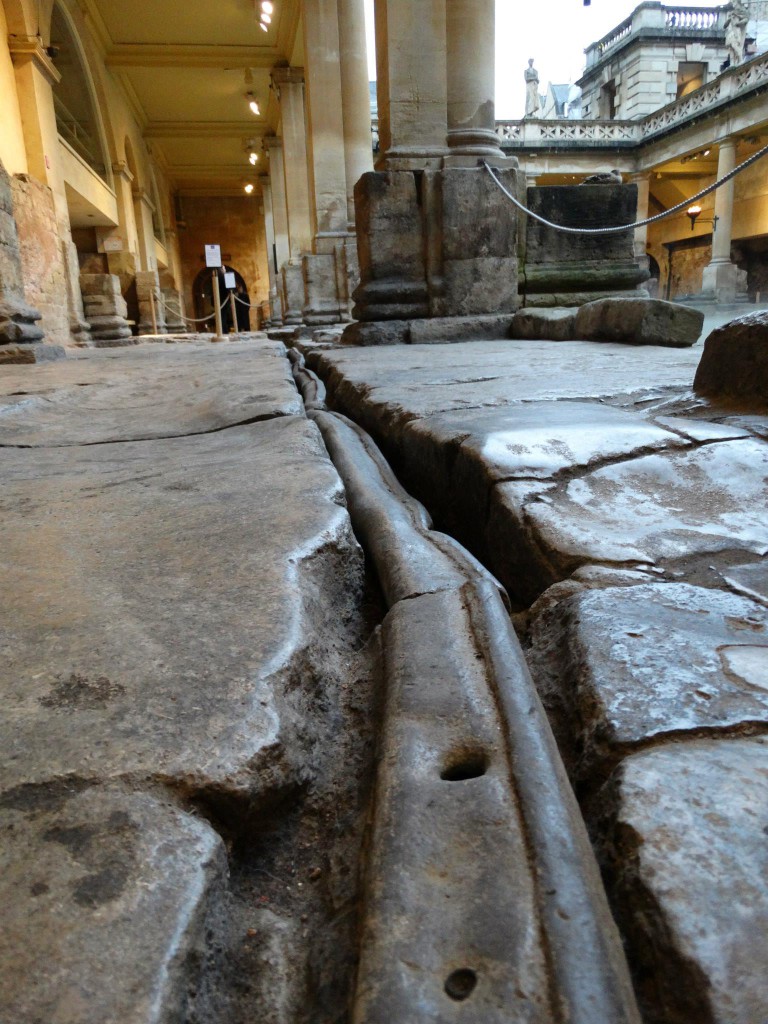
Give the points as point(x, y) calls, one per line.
point(147, 282)
point(321, 287)
point(105, 310)
point(430, 331)
point(723, 283)
point(293, 290)
point(435, 243)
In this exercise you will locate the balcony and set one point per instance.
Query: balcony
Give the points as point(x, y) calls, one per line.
point(654, 19)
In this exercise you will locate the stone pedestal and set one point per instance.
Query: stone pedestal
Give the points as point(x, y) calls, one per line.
point(19, 331)
point(105, 310)
point(321, 289)
point(563, 269)
point(147, 284)
point(174, 324)
point(435, 243)
point(293, 291)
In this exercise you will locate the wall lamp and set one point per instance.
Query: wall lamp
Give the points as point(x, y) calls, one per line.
point(252, 103)
point(693, 213)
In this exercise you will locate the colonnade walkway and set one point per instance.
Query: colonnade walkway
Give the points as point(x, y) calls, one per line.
point(270, 748)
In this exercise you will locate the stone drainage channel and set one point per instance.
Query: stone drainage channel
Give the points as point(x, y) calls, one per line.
point(482, 897)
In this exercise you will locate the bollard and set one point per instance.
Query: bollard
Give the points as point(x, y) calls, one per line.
point(217, 307)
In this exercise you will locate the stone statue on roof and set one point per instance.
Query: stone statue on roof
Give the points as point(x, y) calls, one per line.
point(532, 99)
point(736, 31)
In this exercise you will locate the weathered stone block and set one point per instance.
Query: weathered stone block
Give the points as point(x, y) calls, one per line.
point(639, 322)
point(107, 285)
point(573, 265)
point(390, 248)
point(476, 228)
point(105, 895)
point(321, 279)
point(686, 859)
point(735, 362)
point(545, 324)
point(658, 659)
point(293, 290)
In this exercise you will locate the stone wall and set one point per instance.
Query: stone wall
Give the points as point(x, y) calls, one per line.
point(687, 259)
point(42, 264)
point(237, 225)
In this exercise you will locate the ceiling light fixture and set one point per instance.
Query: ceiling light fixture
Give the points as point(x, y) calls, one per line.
point(253, 105)
point(253, 158)
point(248, 188)
point(266, 19)
point(263, 27)
point(267, 7)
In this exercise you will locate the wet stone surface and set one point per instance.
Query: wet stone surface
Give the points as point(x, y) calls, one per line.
point(653, 660)
point(687, 860)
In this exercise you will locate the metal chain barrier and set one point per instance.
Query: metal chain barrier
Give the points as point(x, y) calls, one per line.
point(638, 224)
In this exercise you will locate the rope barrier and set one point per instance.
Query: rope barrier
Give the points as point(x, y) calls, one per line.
point(189, 319)
point(638, 224)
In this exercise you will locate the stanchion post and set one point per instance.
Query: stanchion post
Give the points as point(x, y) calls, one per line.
point(152, 310)
point(217, 307)
point(234, 310)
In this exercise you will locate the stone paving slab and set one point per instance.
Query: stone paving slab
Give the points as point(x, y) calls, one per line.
point(658, 508)
point(646, 661)
point(420, 380)
point(105, 896)
point(153, 603)
point(688, 859)
point(148, 391)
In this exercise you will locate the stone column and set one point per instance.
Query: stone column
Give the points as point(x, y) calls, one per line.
point(275, 317)
point(471, 64)
point(355, 98)
point(643, 182)
point(412, 90)
point(289, 86)
point(720, 279)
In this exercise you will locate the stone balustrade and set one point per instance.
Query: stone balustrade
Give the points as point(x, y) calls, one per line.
point(654, 16)
point(735, 83)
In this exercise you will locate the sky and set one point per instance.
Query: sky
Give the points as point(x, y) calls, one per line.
point(554, 32)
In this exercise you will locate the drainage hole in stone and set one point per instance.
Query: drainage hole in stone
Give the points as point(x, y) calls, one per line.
point(467, 765)
point(460, 984)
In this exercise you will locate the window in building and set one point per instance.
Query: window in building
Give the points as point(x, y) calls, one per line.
point(76, 120)
point(607, 105)
point(690, 75)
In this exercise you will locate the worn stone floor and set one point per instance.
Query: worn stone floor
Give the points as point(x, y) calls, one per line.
point(191, 672)
point(628, 520)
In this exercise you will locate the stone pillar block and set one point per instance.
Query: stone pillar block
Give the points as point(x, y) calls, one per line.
point(147, 283)
point(321, 280)
point(105, 310)
point(19, 332)
point(435, 243)
point(723, 282)
point(174, 323)
point(477, 228)
point(293, 291)
point(563, 269)
point(393, 277)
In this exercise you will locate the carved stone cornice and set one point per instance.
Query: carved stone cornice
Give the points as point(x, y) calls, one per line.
point(30, 50)
point(122, 170)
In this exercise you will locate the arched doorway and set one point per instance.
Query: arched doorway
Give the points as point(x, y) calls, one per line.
point(202, 293)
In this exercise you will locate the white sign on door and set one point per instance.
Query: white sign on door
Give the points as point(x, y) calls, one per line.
point(213, 256)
